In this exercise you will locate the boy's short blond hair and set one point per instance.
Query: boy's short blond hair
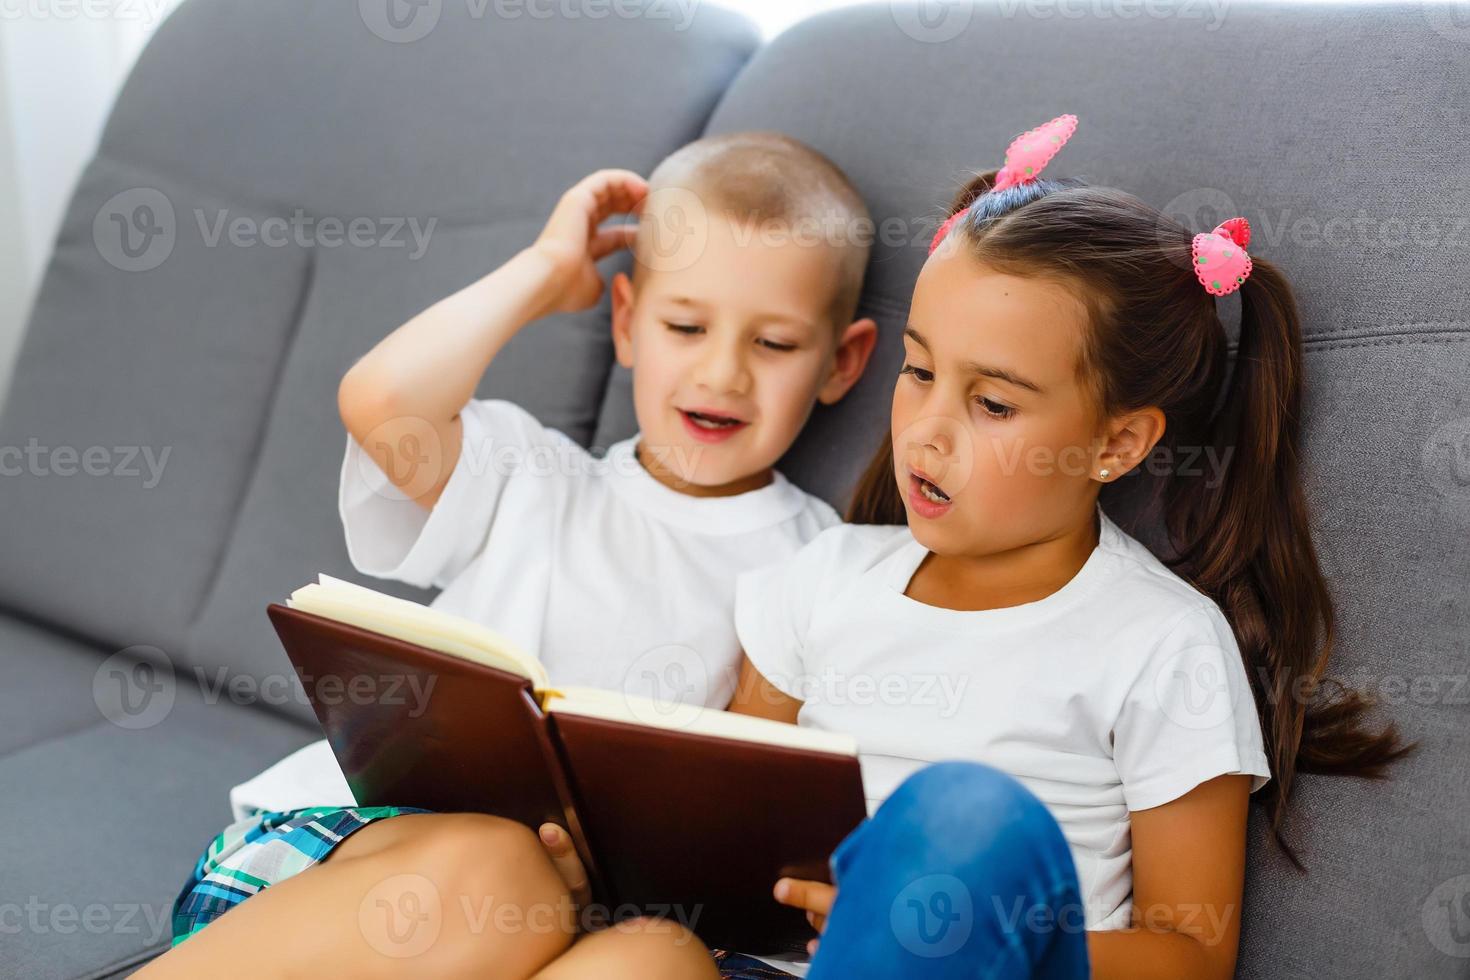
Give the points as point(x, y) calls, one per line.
point(782, 190)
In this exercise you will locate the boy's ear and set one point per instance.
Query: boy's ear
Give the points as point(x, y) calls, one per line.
point(622, 318)
point(854, 348)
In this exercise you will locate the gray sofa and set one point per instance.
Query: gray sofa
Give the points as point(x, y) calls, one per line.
point(172, 445)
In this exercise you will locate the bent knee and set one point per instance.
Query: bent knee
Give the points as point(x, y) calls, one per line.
point(959, 788)
point(476, 854)
point(974, 805)
point(651, 948)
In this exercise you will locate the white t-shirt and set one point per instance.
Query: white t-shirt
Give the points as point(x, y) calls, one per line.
point(611, 578)
point(1121, 691)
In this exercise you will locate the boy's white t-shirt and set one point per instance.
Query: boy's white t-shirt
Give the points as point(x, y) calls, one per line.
point(611, 578)
point(1121, 691)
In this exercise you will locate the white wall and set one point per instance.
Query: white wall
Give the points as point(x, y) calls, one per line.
point(15, 274)
point(61, 63)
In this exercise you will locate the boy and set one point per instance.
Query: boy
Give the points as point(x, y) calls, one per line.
point(617, 572)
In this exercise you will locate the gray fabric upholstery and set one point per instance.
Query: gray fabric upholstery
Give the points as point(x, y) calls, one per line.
point(1300, 117)
point(104, 822)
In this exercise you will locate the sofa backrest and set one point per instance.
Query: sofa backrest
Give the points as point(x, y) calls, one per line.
point(199, 364)
point(1336, 129)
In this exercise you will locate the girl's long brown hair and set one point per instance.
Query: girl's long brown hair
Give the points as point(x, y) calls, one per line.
point(1156, 339)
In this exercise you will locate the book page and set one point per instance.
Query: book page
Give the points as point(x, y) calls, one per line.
point(693, 718)
point(414, 622)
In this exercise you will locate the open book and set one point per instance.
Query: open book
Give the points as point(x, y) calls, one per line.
point(675, 809)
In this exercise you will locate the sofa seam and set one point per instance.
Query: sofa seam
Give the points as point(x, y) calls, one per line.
point(231, 527)
point(134, 959)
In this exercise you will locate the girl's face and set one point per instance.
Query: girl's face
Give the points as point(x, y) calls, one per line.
point(996, 440)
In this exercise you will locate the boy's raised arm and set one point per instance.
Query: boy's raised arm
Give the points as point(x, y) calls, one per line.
point(401, 400)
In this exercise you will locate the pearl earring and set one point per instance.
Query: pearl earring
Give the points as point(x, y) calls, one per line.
point(1103, 473)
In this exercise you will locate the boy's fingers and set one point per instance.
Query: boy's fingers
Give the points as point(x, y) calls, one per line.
point(558, 844)
point(610, 240)
point(589, 202)
point(615, 191)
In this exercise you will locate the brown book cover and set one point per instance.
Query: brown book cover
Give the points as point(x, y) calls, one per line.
point(694, 826)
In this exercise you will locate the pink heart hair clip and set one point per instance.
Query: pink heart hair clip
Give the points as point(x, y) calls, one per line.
point(1219, 257)
point(1025, 158)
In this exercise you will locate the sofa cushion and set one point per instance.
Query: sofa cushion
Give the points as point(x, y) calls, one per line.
point(103, 821)
point(131, 424)
point(47, 687)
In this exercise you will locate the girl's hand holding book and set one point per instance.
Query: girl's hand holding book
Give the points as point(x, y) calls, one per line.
point(816, 897)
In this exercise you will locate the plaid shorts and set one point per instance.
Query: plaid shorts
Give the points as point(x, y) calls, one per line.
point(738, 966)
point(256, 852)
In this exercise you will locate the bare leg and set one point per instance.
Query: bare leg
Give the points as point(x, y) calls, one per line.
point(639, 949)
point(429, 895)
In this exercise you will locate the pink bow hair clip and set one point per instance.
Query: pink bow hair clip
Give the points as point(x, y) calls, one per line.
point(1219, 257)
point(1025, 158)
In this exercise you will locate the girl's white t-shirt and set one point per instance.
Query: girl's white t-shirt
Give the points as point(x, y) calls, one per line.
point(611, 578)
point(1121, 691)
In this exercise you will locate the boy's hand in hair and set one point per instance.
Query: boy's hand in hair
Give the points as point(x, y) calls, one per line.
point(572, 241)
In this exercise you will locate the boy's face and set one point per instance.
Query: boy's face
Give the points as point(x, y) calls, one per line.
point(729, 349)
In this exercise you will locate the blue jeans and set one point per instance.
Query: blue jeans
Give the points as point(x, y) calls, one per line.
point(962, 872)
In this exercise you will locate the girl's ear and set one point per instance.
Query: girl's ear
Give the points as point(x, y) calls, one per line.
point(623, 299)
point(850, 359)
point(1128, 441)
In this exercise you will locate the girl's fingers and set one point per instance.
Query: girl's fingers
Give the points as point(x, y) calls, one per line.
point(558, 844)
point(814, 896)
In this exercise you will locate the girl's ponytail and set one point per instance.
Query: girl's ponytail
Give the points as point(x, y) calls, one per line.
point(1248, 544)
